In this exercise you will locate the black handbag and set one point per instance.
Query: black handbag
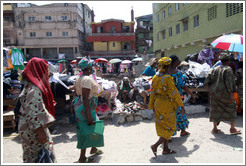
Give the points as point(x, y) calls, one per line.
point(46, 156)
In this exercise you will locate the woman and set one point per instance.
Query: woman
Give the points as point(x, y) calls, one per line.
point(88, 89)
point(179, 80)
point(124, 87)
point(221, 82)
point(164, 100)
point(37, 110)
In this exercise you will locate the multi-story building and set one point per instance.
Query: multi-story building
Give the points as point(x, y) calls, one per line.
point(144, 34)
point(9, 31)
point(49, 31)
point(184, 28)
point(112, 38)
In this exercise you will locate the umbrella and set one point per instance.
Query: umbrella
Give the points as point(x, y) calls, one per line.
point(102, 60)
point(231, 42)
point(126, 62)
point(73, 61)
point(137, 59)
point(116, 60)
point(60, 61)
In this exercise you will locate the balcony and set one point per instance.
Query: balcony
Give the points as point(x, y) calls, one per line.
point(8, 24)
point(99, 37)
point(125, 52)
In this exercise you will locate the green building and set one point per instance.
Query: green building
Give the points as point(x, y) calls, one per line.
point(144, 34)
point(184, 28)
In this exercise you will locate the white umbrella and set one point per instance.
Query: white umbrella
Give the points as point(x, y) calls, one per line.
point(139, 59)
point(116, 60)
point(126, 62)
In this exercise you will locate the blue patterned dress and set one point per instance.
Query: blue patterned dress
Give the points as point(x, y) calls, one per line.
point(182, 122)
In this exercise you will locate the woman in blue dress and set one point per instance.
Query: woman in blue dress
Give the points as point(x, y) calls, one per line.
point(179, 80)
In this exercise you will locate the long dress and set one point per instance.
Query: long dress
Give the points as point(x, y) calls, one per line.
point(33, 115)
point(182, 122)
point(86, 82)
point(221, 83)
point(164, 99)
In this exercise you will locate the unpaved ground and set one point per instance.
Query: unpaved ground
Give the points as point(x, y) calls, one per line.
point(130, 143)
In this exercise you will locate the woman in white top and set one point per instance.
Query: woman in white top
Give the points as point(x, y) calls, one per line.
point(86, 86)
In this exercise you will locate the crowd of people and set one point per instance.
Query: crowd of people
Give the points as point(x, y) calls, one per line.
point(37, 111)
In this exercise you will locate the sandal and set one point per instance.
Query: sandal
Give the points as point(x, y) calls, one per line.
point(170, 152)
point(87, 160)
point(235, 131)
point(215, 131)
point(184, 134)
point(98, 152)
point(154, 152)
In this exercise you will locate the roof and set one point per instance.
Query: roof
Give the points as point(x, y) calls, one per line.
point(112, 19)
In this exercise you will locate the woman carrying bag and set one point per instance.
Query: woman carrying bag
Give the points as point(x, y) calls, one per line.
point(89, 127)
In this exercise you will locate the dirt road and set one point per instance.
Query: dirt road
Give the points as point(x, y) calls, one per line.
point(130, 143)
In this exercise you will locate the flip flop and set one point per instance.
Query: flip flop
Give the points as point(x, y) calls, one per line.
point(186, 133)
point(170, 152)
point(154, 152)
point(215, 132)
point(87, 160)
point(98, 152)
point(235, 132)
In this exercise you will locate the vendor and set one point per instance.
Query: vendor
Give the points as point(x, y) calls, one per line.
point(151, 69)
point(124, 87)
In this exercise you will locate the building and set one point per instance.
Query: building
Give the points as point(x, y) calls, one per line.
point(53, 31)
point(184, 28)
point(9, 30)
point(144, 34)
point(112, 38)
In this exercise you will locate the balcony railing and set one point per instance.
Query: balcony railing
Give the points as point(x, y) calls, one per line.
point(111, 34)
point(7, 23)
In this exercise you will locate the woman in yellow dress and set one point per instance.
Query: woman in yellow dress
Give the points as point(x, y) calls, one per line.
point(164, 100)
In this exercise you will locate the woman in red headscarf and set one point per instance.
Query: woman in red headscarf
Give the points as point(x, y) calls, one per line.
point(37, 110)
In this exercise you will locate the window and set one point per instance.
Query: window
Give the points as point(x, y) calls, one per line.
point(113, 28)
point(32, 34)
point(170, 31)
point(6, 18)
point(163, 14)
point(176, 6)
point(170, 10)
point(212, 13)
point(31, 19)
point(48, 34)
point(98, 29)
point(64, 18)
point(185, 23)
point(141, 23)
point(88, 14)
point(177, 28)
point(184, 4)
point(113, 44)
point(64, 34)
point(196, 21)
point(233, 8)
point(157, 17)
point(157, 36)
point(47, 18)
point(163, 34)
point(65, 4)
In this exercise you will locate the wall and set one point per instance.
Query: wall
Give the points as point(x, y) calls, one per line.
point(116, 48)
point(100, 46)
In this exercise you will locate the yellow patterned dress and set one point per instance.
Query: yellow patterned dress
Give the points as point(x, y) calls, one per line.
point(164, 99)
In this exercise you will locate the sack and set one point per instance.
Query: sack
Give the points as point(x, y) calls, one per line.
point(90, 135)
point(46, 156)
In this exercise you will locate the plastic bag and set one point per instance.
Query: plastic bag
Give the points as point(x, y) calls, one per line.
point(46, 156)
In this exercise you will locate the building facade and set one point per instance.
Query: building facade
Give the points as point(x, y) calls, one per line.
point(112, 38)
point(184, 28)
point(144, 34)
point(9, 30)
point(53, 31)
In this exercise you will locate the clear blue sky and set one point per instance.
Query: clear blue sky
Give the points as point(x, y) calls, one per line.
point(112, 9)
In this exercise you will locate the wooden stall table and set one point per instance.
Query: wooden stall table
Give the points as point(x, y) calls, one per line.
point(9, 119)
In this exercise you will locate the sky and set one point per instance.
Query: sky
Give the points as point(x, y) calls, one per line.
point(111, 9)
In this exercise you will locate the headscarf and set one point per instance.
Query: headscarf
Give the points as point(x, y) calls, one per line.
point(122, 82)
point(85, 63)
point(164, 62)
point(36, 72)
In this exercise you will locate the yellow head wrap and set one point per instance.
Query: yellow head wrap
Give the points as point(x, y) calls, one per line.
point(164, 62)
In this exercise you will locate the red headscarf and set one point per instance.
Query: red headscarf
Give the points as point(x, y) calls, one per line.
point(36, 72)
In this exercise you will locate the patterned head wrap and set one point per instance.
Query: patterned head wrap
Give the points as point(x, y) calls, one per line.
point(85, 63)
point(164, 62)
